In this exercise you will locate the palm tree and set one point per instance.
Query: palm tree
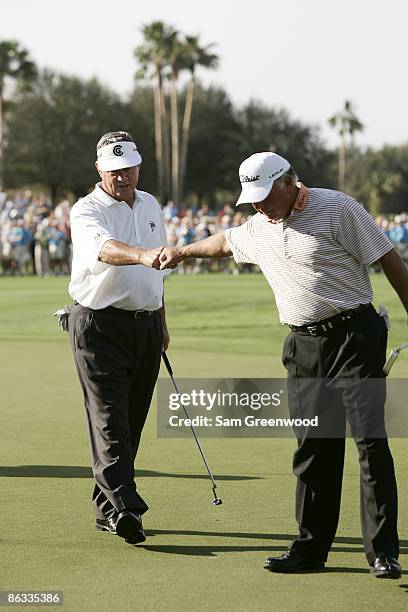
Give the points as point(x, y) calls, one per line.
point(154, 53)
point(194, 56)
point(14, 64)
point(346, 123)
point(168, 55)
point(176, 62)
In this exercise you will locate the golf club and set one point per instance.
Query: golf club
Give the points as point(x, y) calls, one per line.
point(393, 356)
point(217, 501)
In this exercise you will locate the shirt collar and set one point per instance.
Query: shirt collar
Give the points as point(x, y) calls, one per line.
point(302, 196)
point(299, 205)
point(106, 199)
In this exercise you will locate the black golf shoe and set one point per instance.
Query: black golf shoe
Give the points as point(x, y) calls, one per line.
point(107, 524)
point(129, 526)
point(290, 563)
point(385, 567)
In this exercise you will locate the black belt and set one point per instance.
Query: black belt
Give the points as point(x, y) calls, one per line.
point(327, 325)
point(129, 314)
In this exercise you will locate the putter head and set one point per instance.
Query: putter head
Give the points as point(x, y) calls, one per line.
point(217, 501)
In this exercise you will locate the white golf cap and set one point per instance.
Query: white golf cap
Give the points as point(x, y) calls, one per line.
point(117, 155)
point(257, 175)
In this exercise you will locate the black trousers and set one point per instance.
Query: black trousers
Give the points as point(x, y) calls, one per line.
point(118, 361)
point(352, 352)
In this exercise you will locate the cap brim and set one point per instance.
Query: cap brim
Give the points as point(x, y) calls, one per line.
point(117, 163)
point(251, 194)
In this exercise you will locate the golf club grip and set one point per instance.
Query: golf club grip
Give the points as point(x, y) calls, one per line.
point(167, 363)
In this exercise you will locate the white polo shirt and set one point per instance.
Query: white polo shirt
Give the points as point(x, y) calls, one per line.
point(316, 260)
point(97, 218)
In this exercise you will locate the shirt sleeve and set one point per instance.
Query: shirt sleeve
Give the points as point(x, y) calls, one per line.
point(360, 235)
point(89, 233)
point(241, 241)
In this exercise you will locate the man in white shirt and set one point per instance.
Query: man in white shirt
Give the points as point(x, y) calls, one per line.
point(117, 326)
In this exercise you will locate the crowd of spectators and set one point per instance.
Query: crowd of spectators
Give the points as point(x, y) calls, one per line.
point(35, 237)
point(396, 228)
point(187, 225)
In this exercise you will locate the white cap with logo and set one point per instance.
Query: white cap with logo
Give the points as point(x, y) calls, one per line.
point(257, 175)
point(117, 155)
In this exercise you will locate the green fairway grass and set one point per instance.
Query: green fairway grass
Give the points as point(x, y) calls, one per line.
point(196, 557)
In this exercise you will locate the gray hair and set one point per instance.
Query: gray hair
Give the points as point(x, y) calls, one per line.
point(111, 137)
point(292, 173)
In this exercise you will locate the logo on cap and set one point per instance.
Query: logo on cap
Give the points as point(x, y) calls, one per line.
point(117, 150)
point(276, 172)
point(248, 179)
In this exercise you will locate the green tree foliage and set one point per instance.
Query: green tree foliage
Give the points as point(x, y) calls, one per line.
point(54, 129)
point(152, 57)
point(221, 137)
point(262, 128)
point(140, 124)
point(195, 56)
point(212, 160)
point(15, 66)
point(379, 179)
point(164, 55)
point(346, 123)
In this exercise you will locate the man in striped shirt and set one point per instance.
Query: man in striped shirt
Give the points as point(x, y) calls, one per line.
point(314, 247)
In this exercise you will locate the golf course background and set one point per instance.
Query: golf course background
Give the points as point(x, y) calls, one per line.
point(196, 557)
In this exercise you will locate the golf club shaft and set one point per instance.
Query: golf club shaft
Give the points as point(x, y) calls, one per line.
point(170, 371)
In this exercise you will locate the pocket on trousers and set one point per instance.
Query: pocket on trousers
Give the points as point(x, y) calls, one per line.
point(99, 324)
point(82, 323)
point(88, 328)
point(370, 341)
point(288, 350)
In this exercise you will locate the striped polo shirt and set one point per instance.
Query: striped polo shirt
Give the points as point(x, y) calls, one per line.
point(315, 260)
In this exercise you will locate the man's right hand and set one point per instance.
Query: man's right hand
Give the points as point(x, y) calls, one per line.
point(150, 258)
point(170, 257)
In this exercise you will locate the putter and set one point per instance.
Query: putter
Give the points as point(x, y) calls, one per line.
point(393, 356)
point(217, 501)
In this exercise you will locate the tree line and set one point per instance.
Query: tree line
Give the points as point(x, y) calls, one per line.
point(192, 138)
